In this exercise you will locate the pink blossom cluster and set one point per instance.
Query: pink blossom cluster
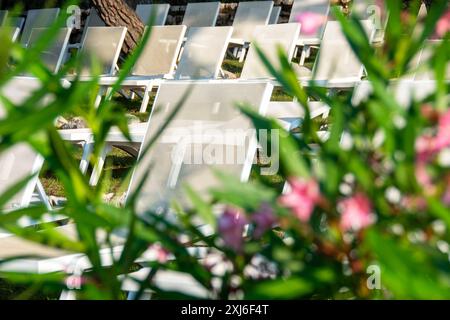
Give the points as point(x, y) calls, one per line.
point(310, 22)
point(427, 147)
point(443, 25)
point(356, 211)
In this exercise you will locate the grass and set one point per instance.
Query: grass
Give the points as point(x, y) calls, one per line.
point(10, 291)
point(233, 66)
point(117, 165)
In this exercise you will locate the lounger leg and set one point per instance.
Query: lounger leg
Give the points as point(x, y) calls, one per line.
point(99, 166)
point(303, 56)
point(87, 151)
point(145, 98)
point(98, 99)
point(242, 54)
point(235, 52)
point(180, 54)
point(42, 195)
point(102, 91)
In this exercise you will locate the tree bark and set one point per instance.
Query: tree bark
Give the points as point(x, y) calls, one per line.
point(117, 13)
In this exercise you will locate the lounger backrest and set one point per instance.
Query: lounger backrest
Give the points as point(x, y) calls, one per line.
point(145, 11)
point(102, 46)
point(318, 7)
point(53, 55)
point(3, 17)
point(268, 38)
point(203, 53)
point(38, 18)
point(92, 20)
point(201, 14)
point(336, 59)
point(207, 133)
point(19, 161)
point(275, 15)
point(161, 51)
point(249, 15)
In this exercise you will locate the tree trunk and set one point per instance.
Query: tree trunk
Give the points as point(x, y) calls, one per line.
point(117, 13)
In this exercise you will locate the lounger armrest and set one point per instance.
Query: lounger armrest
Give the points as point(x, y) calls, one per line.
point(344, 83)
point(237, 41)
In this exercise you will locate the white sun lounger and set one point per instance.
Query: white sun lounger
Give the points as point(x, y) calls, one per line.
point(307, 40)
point(20, 161)
point(161, 11)
point(38, 18)
point(319, 7)
point(53, 56)
point(203, 53)
point(201, 14)
point(102, 45)
point(269, 38)
point(249, 15)
point(331, 70)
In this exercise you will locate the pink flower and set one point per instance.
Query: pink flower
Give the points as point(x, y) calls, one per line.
point(427, 146)
point(356, 213)
point(422, 175)
point(75, 282)
point(310, 22)
point(231, 228)
point(443, 134)
point(264, 219)
point(302, 199)
point(414, 203)
point(162, 255)
point(443, 25)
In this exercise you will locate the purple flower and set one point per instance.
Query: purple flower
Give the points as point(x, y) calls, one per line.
point(231, 228)
point(264, 219)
